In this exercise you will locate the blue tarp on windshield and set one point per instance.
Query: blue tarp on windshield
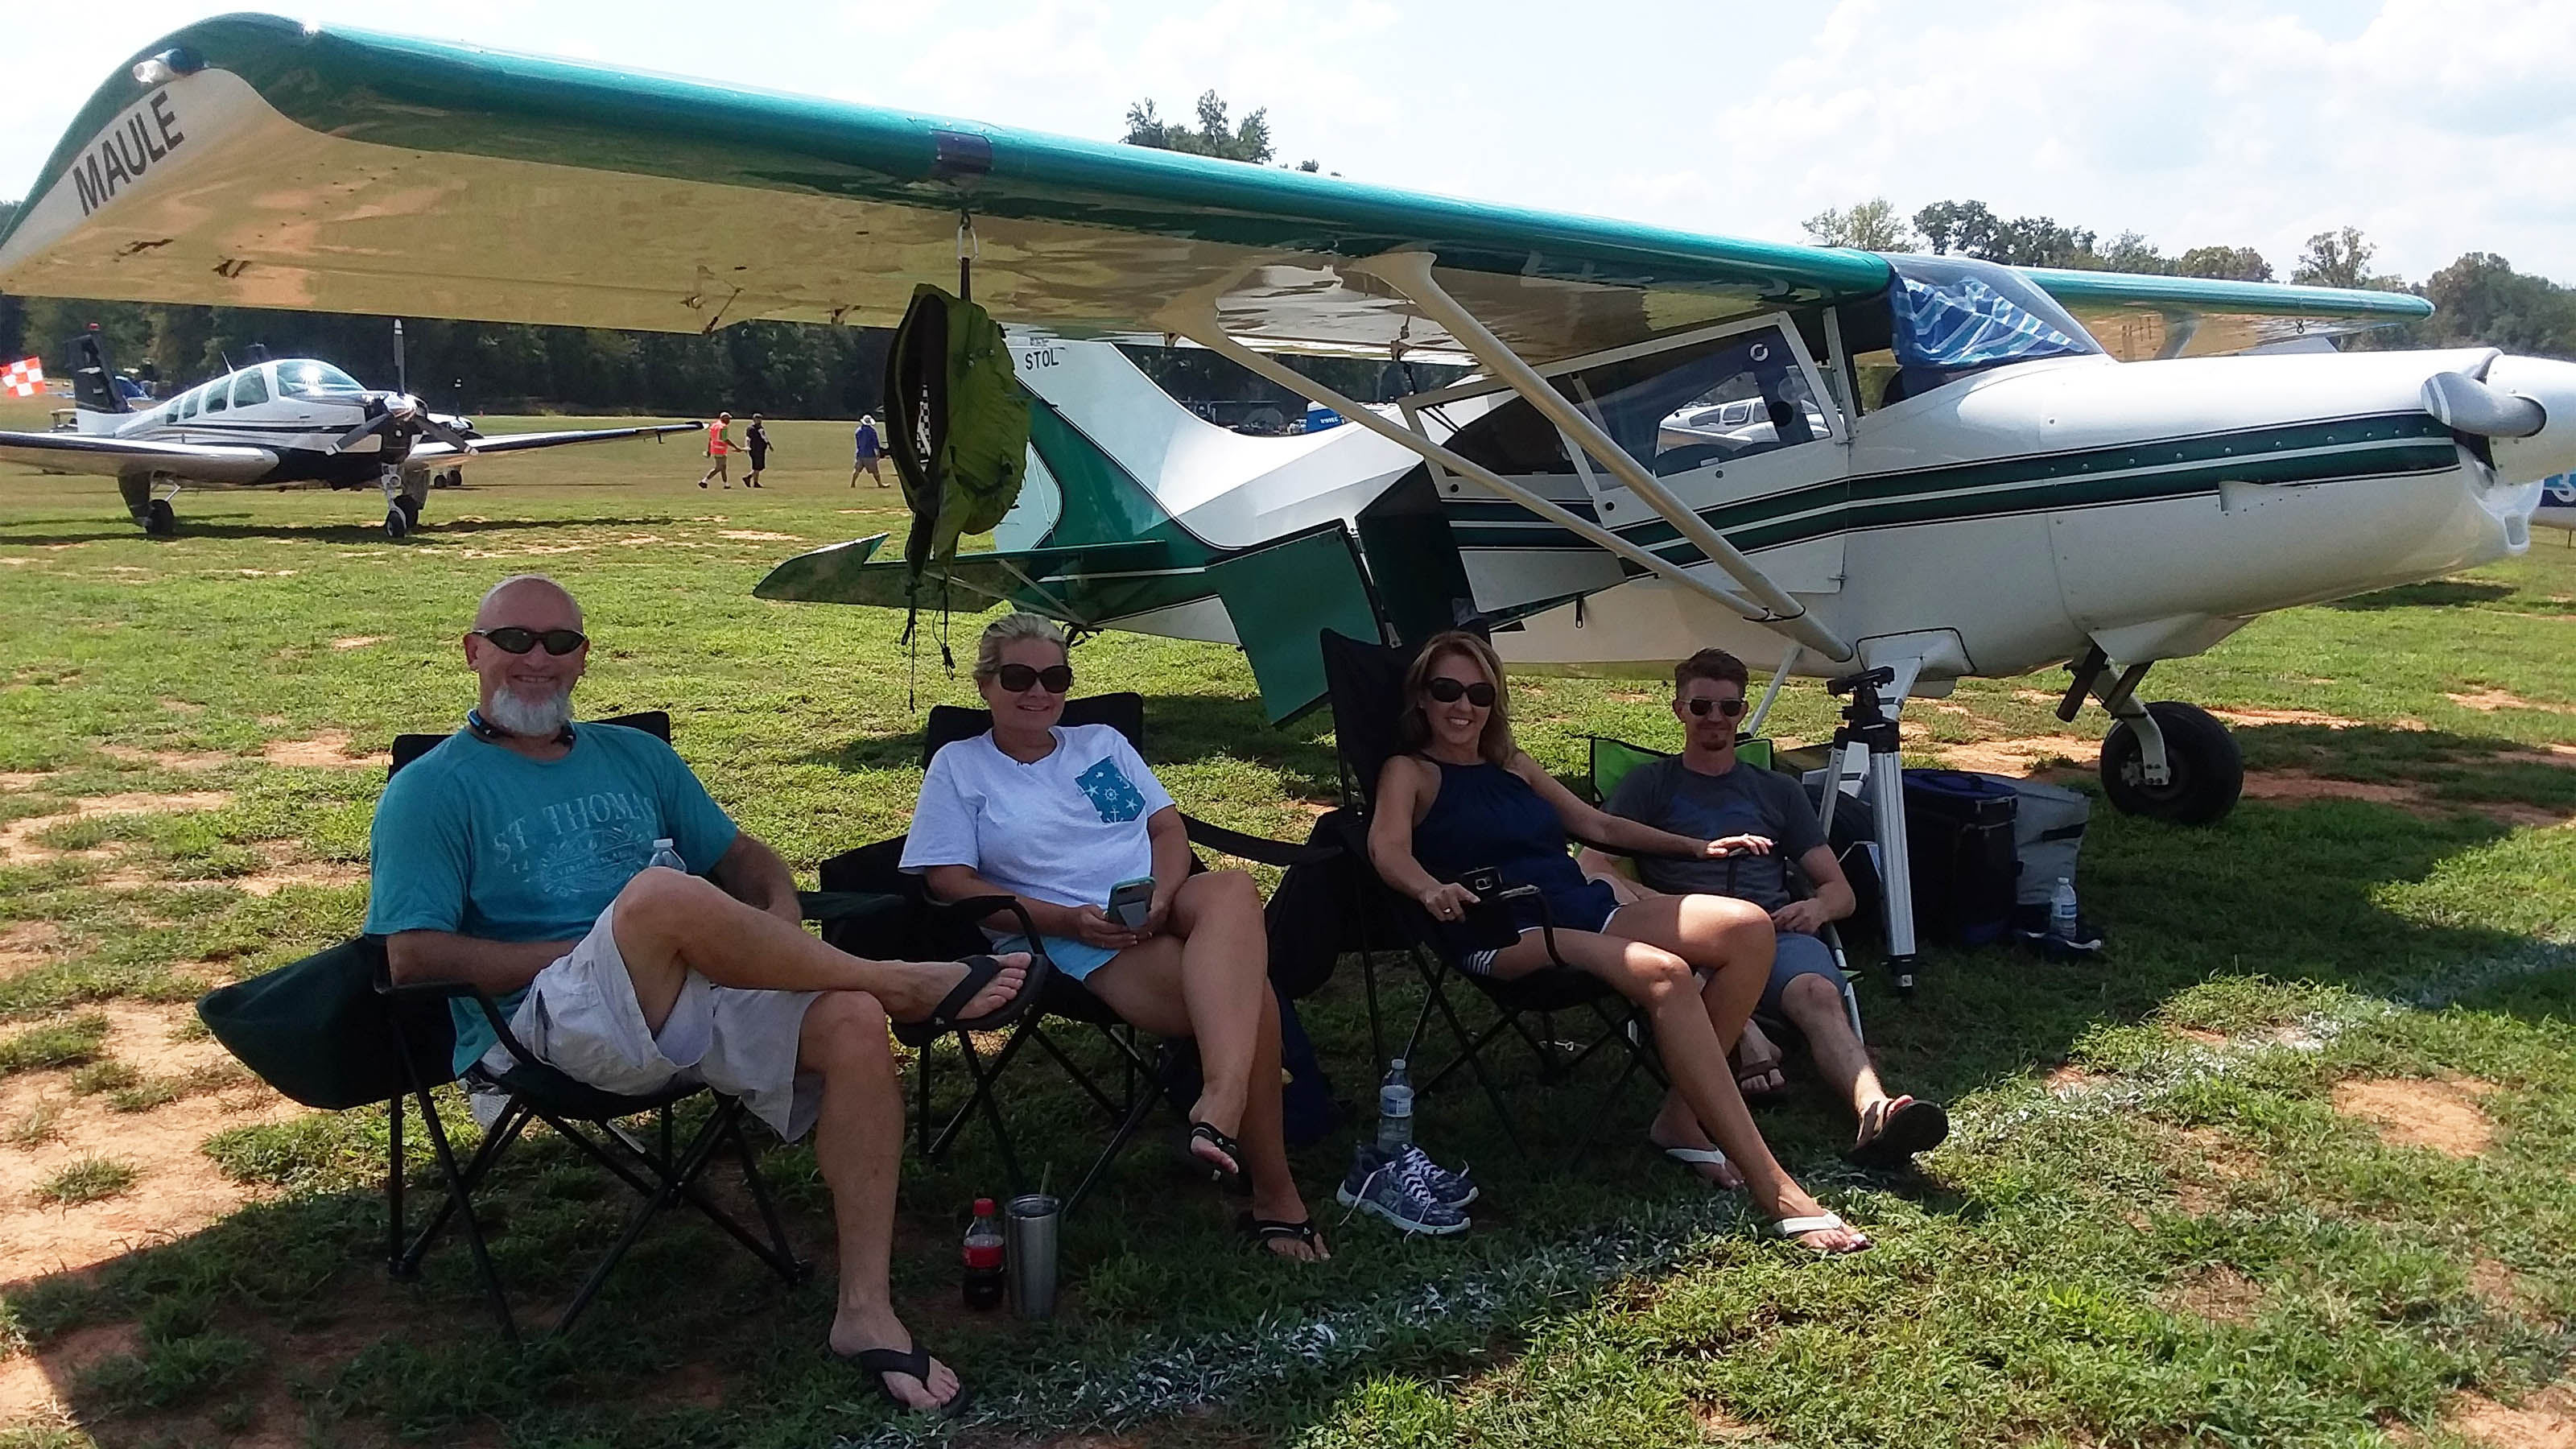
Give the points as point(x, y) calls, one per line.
point(1961, 322)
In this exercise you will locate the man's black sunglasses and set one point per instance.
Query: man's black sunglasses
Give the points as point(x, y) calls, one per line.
point(1057, 678)
point(1728, 708)
point(1448, 691)
point(511, 639)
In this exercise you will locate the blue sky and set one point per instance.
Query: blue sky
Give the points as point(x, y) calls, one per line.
point(2435, 127)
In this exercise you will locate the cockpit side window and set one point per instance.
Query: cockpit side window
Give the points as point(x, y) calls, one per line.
point(1944, 318)
point(251, 388)
point(218, 397)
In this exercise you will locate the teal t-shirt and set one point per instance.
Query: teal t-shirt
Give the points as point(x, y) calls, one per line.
point(479, 840)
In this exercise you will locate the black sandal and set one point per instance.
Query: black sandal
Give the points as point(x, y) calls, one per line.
point(980, 971)
point(1206, 1132)
point(1915, 1126)
point(1265, 1231)
point(912, 1363)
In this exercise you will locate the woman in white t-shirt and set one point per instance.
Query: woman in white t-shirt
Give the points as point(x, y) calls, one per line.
point(1060, 815)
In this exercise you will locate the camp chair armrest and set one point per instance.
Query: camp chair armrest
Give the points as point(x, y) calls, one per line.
point(452, 991)
point(1261, 849)
point(1622, 850)
point(977, 907)
point(827, 907)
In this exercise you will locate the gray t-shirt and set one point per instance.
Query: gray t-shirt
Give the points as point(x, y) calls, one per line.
point(1668, 795)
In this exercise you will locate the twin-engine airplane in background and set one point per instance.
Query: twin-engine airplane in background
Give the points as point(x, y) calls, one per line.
point(1956, 468)
point(294, 423)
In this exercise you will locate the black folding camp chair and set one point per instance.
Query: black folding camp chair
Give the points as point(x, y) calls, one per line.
point(335, 1031)
point(1365, 683)
point(940, 930)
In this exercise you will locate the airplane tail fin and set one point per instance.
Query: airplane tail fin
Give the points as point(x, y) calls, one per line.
point(93, 376)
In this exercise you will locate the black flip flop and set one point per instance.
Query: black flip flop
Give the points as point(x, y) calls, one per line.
point(980, 971)
point(1265, 1231)
point(1207, 1133)
point(1917, 1126)
point(912, 1363)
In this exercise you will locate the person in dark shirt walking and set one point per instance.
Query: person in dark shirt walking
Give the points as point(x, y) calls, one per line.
point(867, 449)
point(757, 440)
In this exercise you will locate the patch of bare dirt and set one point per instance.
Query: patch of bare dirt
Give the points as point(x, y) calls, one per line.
point(2413, 799)
point(181, 706)
point(359, 641)
point(167, 759)
point(2206, 1164)
point(2488, 701)
point(1720, 1427)
point(2068, 1080)
point(35, 1385)
point(328, 750)
point(289, 871)
point(23, 779)
point(2251, 716)
point(25, 946)
point(758, 535)
point(2414, 1112)
point(17, 838)
point(2501, 1287)
point(2220, 1294)
point(178, 1189)
point(2023, 756)
point(2546, 1420)
point(2205, 1038)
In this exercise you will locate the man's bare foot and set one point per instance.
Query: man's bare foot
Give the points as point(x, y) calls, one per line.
point(856, 1331)
point(912, 990)
point(1672, 1130)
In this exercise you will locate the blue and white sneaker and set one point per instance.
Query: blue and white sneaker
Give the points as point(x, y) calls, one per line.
point(1382, 1185)
point(1457, 1189)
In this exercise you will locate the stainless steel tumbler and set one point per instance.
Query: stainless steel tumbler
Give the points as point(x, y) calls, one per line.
point(1028, 1234)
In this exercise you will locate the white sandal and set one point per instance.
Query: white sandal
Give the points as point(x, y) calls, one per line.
point(1825, 1222)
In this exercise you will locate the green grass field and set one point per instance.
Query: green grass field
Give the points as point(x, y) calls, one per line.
point(2295, 1165)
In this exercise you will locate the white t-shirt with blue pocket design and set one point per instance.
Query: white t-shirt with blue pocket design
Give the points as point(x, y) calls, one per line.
point(1064, 829)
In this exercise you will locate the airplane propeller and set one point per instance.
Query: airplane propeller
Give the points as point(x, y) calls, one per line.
point(2460, 401)
point(400, 412)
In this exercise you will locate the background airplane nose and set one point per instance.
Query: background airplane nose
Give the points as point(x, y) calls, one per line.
point(2551, 384)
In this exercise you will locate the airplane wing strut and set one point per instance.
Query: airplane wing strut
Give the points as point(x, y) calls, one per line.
point(1198, 321)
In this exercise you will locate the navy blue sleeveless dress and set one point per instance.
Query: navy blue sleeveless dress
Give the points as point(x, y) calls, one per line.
point(1487, 816)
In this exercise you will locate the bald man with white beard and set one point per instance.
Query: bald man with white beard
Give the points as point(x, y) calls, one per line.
point(512, 857)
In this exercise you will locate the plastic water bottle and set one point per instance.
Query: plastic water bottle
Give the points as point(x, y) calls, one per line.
point(1395, 1109)
point(2061, 910)
point(665, 853)
point(982, 1256)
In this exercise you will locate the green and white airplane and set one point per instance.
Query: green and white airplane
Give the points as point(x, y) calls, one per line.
point(1966, 469)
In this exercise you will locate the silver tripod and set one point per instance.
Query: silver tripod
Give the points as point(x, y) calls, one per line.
point(1865, 753)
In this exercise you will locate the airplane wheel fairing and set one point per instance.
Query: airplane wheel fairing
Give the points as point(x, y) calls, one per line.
point(397, 523)
point(160, 520)
point(2205, 771)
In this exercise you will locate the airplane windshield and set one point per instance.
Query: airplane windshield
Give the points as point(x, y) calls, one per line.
point(314, 379)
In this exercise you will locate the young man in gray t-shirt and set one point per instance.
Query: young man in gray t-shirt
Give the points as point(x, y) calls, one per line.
point(1705, 792)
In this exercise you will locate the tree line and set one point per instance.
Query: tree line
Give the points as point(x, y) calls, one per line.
point(2479, 300)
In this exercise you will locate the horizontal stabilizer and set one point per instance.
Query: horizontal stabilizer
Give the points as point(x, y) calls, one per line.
point(525, 442)
point(128, 458)
point(850, 573)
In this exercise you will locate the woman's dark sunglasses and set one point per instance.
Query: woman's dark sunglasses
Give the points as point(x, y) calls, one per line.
point(1018, 677)
point(1729, 708)
point(1448, 691)
point(511, 639)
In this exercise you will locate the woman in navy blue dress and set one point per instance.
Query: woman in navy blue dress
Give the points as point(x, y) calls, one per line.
point(1466, 798)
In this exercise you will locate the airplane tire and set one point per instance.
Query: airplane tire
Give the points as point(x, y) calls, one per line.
point(410, 507)
point(397, 523)
point(2205, 772)
point(159, 519)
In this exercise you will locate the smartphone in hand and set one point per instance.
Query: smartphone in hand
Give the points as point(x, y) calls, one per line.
point(1131, 901)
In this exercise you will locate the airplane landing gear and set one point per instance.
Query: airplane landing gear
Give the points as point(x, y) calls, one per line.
point(402, 503)
point(397, 523)
point(148, 501)
point(2168, 760)
point(2204, 771)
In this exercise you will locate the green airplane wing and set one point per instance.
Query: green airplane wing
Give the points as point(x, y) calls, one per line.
point(254, 161)
point(2136, 316)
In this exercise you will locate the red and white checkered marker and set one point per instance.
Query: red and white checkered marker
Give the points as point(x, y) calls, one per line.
point(24, 377)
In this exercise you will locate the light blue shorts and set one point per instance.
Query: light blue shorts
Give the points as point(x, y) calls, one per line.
point(1796, 954)
point(1073, 958)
